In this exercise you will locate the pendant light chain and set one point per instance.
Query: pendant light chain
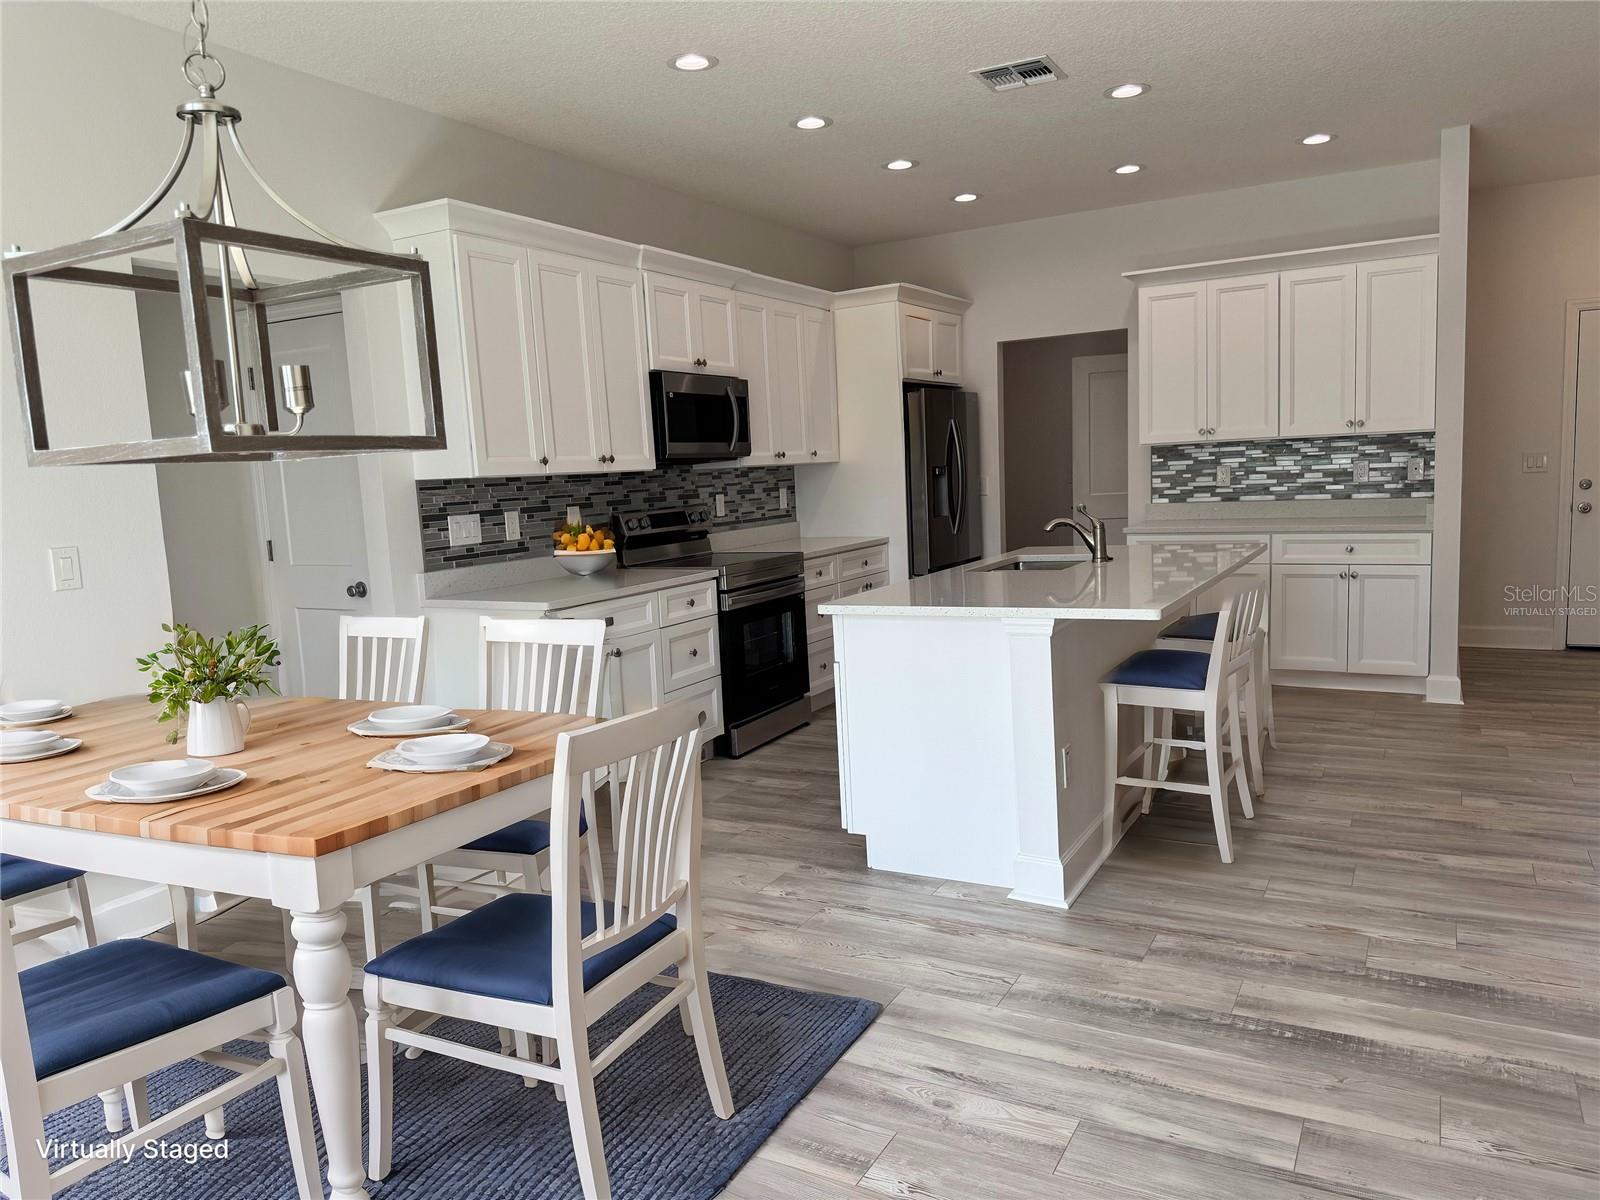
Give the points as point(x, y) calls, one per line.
point(196, 66)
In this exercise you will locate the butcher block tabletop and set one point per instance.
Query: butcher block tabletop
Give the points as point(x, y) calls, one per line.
point(308, 789)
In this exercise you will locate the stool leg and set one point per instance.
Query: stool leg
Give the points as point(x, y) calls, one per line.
point(1217, 782)
point(1268, 716)
point(1164, 760)
point(1112, 751)
point(1236, 719)
point(1252, 729)
point(1147, 762)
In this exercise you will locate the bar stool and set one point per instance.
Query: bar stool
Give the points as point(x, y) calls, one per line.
point(1162, 680)
point(1202, 627)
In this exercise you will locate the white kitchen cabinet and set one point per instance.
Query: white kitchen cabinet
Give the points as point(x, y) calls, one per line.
point(1389, 620)
point(689, 653)
point(707, 697)
point(1317, 351)
point(1397, 316)
point(947, 347)
point(1242, 357)
point(821, 394)
point(498, 356)
point(692, 325)
point(1310, 618)
point(754, 368)
point(786, 355)
point(619, 361)
point(1172, 364)
point(634, 679)
point(930, 344)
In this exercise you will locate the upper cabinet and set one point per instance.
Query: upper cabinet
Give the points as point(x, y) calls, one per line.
point(786, 355)
point(692, 325)
point(930, 344)
point(1314, 351)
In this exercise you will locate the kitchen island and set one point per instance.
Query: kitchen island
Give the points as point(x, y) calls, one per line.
point(970, 715)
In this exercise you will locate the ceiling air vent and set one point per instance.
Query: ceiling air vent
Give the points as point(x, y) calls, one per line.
point(1023, 73)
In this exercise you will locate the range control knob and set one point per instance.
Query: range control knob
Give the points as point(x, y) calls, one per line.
point(630, 523)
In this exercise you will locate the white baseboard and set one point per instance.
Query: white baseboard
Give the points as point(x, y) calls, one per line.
point(1444, 689)
point(1510, 637)
point(1412, 685)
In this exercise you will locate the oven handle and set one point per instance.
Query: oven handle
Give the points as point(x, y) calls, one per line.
point(733, 601)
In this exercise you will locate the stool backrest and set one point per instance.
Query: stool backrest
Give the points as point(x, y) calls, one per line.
point(551, 666)
point(1237, 625)
point(381, 658)
point(654, 757)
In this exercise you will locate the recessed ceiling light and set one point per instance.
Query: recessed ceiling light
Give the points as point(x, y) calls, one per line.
point(1127, 169)
point(813, 122)
point(1317, 139)
point(1126, 91)
point(900, 164)
point(694, 62)
point(965, 197)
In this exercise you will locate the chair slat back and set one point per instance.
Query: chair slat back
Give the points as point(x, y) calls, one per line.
point(658, 839)
point(1237, 625)
point(382, 658)
point(549, 666)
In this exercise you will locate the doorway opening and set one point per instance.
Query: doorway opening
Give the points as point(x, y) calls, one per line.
point(1063, 433)
point(1578, 545)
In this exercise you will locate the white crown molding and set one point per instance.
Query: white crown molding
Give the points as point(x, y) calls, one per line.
point(1312, 256)
point(904, 293)
point(687, 266)
point(457, 216)
point(783, 289)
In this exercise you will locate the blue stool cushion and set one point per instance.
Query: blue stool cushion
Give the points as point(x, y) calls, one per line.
point(503, 949)
point(19, 876)
point(1163, 668)
point(1201, 627)
point(523, 837)
point(86, 1005)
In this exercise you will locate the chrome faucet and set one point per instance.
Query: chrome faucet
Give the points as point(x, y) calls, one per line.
point(1091, 530)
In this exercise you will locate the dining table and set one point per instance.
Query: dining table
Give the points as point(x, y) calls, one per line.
point(309, 824)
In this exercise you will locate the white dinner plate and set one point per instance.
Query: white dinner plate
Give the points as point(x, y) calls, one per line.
point(222, 777)
point(444, 750)
point(26, 741)
point(365, 728)
point(24, 722)
point(164, 776)
point(59, 746)
point(32, 710)
point(411, 718)
point(393, 760)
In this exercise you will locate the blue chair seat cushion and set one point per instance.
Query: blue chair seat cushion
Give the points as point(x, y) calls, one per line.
point(1201, 627)
point(503, 950)
point(86, 1005)
point(522, 837)
point(1185, 669)
point(19, 876)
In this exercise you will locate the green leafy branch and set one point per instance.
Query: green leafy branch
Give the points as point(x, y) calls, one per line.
point(192, 668)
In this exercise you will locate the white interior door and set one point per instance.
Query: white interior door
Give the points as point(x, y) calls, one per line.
point(1100, 438)
point(314, 518)
point(1583, 569)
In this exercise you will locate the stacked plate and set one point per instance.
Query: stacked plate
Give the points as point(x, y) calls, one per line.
point(21, 713)
point(163, 780)
point(409, 719)
point(442, 752)
point(25, 745)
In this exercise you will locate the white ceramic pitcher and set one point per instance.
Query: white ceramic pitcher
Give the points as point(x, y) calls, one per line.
point(217, 727)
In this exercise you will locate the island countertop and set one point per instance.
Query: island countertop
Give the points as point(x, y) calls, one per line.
point(1149, 582)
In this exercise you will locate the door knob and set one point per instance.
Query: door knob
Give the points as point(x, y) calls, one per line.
point(1585, 507)
point(357, 590)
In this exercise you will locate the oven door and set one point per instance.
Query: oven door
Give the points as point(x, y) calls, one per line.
point(699, 418)
point(763, 635)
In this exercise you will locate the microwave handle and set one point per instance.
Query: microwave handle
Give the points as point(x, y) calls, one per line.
point(733, 406)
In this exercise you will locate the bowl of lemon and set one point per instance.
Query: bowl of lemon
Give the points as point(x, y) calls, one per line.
point(583, 549)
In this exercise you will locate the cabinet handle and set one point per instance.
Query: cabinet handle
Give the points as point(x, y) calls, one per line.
point(1349, 424)
point(694, 652)
point(1201, 431)
point(813, 454)
point(1344, 574)
point(1361, 423)
point(616, 652)
point(691, 601)
point(544, 460)
point(1349, 549)
point(1355, 574)
point(825, 666)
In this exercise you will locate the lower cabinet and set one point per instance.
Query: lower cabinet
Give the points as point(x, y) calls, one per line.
point(634, 674)
point(1364, 620)
point(832, 577)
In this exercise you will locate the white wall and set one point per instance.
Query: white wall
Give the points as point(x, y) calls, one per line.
point(1530, 250)
point(1063, 274)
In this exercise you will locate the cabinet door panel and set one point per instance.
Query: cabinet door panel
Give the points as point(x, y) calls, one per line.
point(713, 327)
point(1397, 313)
point(1242, 315)
point(672, 343)
point(754, 368)
point(498, 351)
point(574, 436)
point(618, 356)
point(1389, 620)
point(1172, 363)
point(633, 675)
point(786, 385)
point(821, 389)
point(1309, 618)
point(1317, 348)
point(916, 342)
point(947, 347)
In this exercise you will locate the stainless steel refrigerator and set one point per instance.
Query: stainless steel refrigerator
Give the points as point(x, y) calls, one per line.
point(942, 502)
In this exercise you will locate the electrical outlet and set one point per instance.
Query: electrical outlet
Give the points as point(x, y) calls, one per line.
point(465, 529)
point(1416, 470)
point(783, 498)
point(1224, 475)
point(66, 571)
point(721, 504)
point(513, 525)
point(1363, 471)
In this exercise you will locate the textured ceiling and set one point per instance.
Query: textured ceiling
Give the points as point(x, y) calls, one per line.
point(1234, 85)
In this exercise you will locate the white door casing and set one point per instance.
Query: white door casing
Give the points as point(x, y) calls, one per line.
point(1100, 438)
point(1582, 595)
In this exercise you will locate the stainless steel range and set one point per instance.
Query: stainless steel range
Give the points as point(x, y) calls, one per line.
point(761, 620)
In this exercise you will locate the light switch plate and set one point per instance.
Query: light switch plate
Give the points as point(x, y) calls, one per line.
point(66, 571)
point(1363, 471)
point(513, 524)
point(783, 498)
point(1224, 475)
point(1416, 470)
point(1535, 464)
point(721, 504)
point(465, 529)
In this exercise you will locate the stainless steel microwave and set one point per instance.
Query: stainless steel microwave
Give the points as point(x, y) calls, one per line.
point(699, 418)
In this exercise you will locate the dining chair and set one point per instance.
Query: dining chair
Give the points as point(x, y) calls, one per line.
point(76, 1025)
point(1161, 681)
point(550, 966)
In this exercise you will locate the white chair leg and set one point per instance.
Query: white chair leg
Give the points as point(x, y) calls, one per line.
point(549, 1056)
point(380, 1092)
point(704, 1019)
point(82, 910)
point(294, 1097)
point(1147, 760)
point(523, 1044)
point(217, 1124)
point(1112, 752)
point(1252, 729)
point(583, 1114)
point(369, 920)
point(1215, 778)
point(1235, 720)
point(111, 1100)
point(137, 1092)
point(184, 927)
point(425, 897)
point(1269, 717)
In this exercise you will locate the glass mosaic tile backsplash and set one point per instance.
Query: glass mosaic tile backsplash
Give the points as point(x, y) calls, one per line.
point(1292, 469)
point(752, 499)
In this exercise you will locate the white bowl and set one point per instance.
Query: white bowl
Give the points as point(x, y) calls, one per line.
point(26, 741)
point(444, 749)
point(164, 776)
point(31, 710)
point(585, 562)
point(411, 716)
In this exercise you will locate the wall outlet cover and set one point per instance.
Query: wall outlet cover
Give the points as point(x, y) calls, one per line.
point(1224, 475)
point(465, 529)
point(1363, 471)
point(1416, 470)
point(783, 498)
point(721, 504)
point(513, 525)
point(66, 571)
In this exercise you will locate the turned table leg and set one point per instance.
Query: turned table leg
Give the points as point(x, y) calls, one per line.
point(328, 1028)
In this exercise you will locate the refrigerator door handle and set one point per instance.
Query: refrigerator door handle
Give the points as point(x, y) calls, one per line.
point(958, 478)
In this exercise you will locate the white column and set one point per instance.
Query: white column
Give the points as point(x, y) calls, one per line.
point(1039, 875)
point(333, 1058)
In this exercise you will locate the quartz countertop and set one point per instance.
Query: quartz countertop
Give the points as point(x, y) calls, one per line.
point(1268, 524)
point(1150, 582)
point(555, 592)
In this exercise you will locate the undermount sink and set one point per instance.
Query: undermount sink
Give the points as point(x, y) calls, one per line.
point(1035, 564)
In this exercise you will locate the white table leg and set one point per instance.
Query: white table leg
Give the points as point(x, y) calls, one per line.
point(333, 1055)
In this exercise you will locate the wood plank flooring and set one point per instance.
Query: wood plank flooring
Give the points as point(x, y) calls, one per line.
point(1393, 992)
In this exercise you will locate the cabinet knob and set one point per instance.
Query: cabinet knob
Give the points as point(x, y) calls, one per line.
point(691, 601)
point(825, 666)
point(694, 652)
point(1344, 574)
point(1201, 431)
point(544, 460)
point(813, 454)
point(1349, 424)
point(1349, 549)
point(1355, 574)
point(616, 652)
point(1361, 424)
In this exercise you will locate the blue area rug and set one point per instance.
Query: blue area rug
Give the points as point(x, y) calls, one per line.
point(463, 1132)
